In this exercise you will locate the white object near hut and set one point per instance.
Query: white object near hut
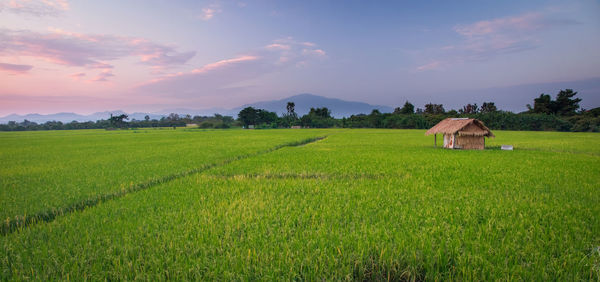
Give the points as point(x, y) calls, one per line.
point(461, 133)
point(507, 147)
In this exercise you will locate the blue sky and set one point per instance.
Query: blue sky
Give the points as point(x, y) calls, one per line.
point(87, 56)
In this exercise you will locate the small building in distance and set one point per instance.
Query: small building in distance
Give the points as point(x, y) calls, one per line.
point(461, 133)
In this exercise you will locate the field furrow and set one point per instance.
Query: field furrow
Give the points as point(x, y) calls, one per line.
point(45, 174)
point(20, 222)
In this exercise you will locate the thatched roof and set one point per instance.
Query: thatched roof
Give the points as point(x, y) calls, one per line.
point(464, 127)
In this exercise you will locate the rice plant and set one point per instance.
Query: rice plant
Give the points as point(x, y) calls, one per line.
point(357, 205)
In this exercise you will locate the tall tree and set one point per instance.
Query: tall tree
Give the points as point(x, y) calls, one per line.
point(488, 107)
point(118, 121)
point(248, 116)
point(264, 116)
point(320, 112)
point(565, 105)
point(173, 117)
point(469, 109)
point(407, 109)
point(434, 109)
point(375, 118)
point(291, 109)
point(541, 105)
point(318, 117)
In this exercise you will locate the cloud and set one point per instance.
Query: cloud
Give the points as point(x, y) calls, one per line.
point(278, 46)
point(525, 22)
point(78, 76)
point(15, 69)
point(230, 73)
point(209, 12)
point(103, 76)
point(87, 50)
point(487, 39)
point(225, 63)
point(430, 66)
point(37, 8)
point(316, 52)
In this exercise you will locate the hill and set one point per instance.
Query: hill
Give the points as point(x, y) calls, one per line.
point(339, 108)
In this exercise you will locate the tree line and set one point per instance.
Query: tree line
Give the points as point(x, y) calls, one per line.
point(121, 122)
point(560, 114)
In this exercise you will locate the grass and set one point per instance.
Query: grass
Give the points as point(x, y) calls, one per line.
point(358, 205)
point(51, 172)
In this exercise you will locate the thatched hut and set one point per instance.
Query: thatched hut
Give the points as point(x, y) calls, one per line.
point(461, 133)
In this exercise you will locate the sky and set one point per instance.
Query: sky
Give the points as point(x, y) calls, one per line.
point(152, 55)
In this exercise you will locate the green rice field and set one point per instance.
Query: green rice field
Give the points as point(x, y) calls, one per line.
point(304, 204)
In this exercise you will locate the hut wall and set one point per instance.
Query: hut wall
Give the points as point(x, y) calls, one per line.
point(449, 141)
point(470, 142)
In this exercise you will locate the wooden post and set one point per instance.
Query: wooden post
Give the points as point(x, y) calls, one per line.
point(435, 140)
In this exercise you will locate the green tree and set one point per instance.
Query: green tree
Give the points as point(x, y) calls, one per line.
point(290, 118)
point(469, 109)
point(541, 105)
point(118, 121)
point(266, 117)
point(248, 116)
point(407, 109)
point(375, 119)
point(291, 109)
point(488, 107)
point(319, 117)
point(565, 105)
point(435, 109)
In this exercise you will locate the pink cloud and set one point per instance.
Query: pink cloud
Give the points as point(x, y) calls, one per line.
point(87, 50)
point(525, 22)
point(103, 76)
point(77, 76)
point(224, 63)
point(278, 46)
point(228, 73)
point(317, 52)
point(36, 7)
point(210, 12)
point(487, 39)
point(430, 66)
point(15, 69)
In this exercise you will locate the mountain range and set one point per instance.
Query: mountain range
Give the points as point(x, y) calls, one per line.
point(303, 102)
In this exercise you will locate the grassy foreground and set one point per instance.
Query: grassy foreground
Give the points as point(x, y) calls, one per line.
point(358, 205)
point(45, 171)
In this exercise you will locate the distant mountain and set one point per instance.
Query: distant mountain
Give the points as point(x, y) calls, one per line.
point(62, 117)
point(339, 108)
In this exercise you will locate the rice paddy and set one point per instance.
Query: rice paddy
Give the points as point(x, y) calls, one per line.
point(288, 205)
